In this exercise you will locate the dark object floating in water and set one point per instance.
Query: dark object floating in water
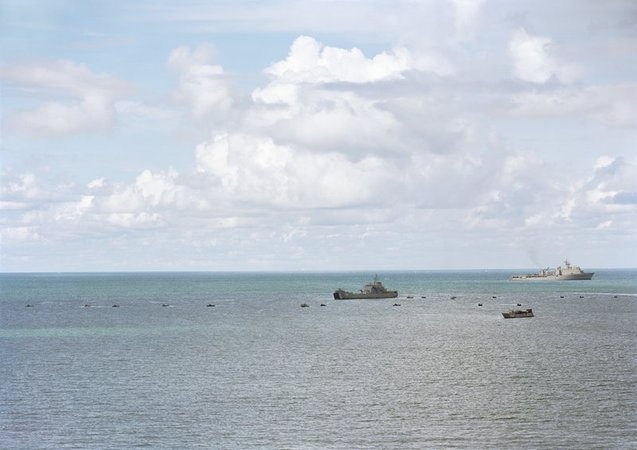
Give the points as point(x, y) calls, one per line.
point(29, 306)
point(304, 305)
point(424, 296)
point(479, 304)
point(581, 296)
point(614, 296)
point(210, 305)
point(519, 304)
point(396, 304)
point(87, 306)
point(518, 313)
point(323, 304)
point(115, 306)
point(561, 296)
point(494, 296)
point(410, 296)
point(165, 304)
point(454, 297)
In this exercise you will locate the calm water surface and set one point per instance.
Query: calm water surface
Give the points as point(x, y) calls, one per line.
point(258, 371)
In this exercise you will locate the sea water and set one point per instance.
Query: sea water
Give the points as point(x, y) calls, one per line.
point(142, 360)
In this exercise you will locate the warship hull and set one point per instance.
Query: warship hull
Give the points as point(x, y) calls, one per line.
point(344, 295)
point(579, 276)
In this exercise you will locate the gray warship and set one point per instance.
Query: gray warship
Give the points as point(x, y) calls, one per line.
point(565, 272)
point(375, 289)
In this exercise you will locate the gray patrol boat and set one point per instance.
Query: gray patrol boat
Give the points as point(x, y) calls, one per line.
point(565, 272)
point(375, 289)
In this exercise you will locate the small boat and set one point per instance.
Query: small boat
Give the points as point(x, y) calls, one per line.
point(375, 289)
point(518, 313)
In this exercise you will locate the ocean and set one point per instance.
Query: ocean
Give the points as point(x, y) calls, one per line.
point(139, 360)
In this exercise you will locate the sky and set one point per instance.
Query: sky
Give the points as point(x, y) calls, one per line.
point(286, 135)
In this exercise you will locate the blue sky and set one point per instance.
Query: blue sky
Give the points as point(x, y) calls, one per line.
point(317, 135)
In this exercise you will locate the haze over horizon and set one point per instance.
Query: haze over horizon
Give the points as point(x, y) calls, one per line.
point(317, 136)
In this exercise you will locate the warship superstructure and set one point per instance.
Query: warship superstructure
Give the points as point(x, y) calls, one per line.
point(565, 272)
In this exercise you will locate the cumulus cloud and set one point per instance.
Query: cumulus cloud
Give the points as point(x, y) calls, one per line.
point(534, 59)
point(611, 105)
point(19, 186)
point(310, 62)
point(257, 171)
point(333, 100)
point(203, 86)
point(607, 197)
point(73, 99)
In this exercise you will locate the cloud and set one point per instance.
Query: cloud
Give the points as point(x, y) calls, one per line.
point(256, 171)
point(335, 150)
point(19, 234)
point(612, 105)
point(20, 186)
point(203, 86)
point(534, 61)
point(466, 13)
point(333, 99)
point(309, 61)
point(72, 98)
point(609, 194)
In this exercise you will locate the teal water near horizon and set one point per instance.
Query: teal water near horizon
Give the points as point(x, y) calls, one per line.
point(165, 370)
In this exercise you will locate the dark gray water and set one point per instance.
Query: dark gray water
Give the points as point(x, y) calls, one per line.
point(258, 371)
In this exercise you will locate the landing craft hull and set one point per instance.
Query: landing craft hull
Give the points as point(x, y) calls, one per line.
point(517, 314)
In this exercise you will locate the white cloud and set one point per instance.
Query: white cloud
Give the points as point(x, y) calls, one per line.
point(21, 186)
point(609, 195)
point(314, 98)
point(73, 211)
point(534, 59)
point(202, 85)
point(19, 234)
point(311, 62)
point(151, 191)
point(90, 103)
point(611, 105)
point(259, 172)
point(466, 13)
point(135, 220)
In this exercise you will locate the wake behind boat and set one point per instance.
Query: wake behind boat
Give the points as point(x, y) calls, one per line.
point(375, 289)
point(565, 272)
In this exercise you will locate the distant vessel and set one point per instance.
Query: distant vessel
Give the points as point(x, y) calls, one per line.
point(565, 272)
point(517, 313)
point(375, 289)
